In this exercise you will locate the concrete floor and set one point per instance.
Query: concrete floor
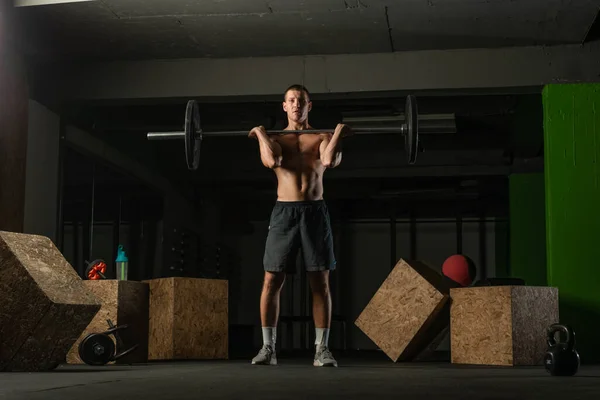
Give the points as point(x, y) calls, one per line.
point(295, 377)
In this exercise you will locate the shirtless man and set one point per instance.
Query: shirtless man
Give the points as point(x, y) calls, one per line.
point(299, 221)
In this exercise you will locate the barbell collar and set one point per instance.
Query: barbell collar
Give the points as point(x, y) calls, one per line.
point(165, 135)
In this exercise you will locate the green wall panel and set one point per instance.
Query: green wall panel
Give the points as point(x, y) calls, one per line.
point(572, 177)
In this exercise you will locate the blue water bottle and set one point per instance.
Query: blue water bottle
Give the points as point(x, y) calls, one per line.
point(122, 264)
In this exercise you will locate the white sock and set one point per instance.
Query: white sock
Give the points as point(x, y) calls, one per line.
point(321, 337)
point(269, 335)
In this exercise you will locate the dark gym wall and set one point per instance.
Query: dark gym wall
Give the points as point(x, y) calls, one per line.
point(527, 139)
point(41, 182)
point(29, 136)
point(13, 126)
point(527, 228)
point(502, 248)
point(572, 175)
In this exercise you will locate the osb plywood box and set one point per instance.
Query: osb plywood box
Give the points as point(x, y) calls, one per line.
point(123, 302)
point(44, 305)
point(502, 325)
point(407, 312)
point(188, 319)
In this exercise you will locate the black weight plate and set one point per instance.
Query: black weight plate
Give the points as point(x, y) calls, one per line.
point(411, 137)
point(96, 349)
point(193, 135)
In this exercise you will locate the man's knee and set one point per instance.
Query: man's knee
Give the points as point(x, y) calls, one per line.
point(273, 281)
point(319, 281)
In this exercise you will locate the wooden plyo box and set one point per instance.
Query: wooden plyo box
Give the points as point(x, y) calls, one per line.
point(407, 312)
point(44, 305)
point(188, 319)
point(123, 302)
point(501, 325)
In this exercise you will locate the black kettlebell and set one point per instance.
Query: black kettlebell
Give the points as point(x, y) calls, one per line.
point(561, 359)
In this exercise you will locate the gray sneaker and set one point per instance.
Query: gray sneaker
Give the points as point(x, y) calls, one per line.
point(324, 358)
point(266, 356)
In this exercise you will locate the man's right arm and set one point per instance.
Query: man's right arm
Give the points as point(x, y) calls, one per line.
point(270, 150)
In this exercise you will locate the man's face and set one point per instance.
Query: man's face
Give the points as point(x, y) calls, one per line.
point(297, 105)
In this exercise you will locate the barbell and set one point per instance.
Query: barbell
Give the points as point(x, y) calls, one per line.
point(193, 133)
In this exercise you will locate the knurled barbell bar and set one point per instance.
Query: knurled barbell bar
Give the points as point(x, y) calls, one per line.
point(193, 134)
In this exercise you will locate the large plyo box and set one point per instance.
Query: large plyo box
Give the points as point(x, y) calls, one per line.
point(45, 306)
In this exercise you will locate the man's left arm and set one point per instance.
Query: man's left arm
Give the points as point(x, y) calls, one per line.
point(330, 148)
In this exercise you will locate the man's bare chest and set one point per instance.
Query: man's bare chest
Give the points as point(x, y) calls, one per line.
point(299, 145)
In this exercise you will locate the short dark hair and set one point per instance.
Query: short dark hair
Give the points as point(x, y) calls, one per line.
point(298, 87)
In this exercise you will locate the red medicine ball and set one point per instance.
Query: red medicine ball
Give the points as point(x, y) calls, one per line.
point(461, 269)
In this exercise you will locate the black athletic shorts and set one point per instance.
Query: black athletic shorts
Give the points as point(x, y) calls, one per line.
point(299, 227)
